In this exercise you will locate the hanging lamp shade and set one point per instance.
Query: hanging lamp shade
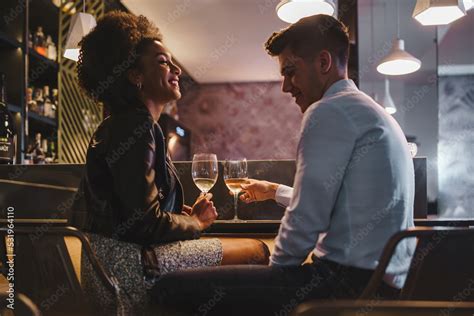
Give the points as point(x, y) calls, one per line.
point(398, 61)
point(438, 12)
point(291, 11)
point(387, 102)
point(81, 25)
point(468, 4)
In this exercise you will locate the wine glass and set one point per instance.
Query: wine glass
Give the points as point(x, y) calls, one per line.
point(204, 171)
point(235, 174)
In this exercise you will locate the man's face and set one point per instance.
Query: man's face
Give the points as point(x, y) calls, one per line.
point(300, 78)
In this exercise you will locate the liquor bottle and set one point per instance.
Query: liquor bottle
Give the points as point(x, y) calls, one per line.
point(48, 105)
point(38, 98)
point(52, 150)
point(51, 48)
point(44, 146)
point(39, 41)
point(7, 129)
point(30, 40)
point(36, 150)
point(32, 105)
point(54, 109)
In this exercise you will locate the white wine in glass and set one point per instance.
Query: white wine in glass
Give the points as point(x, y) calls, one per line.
point(235, 174)
point(204, 184)
point(204, 171)
point(234, 184)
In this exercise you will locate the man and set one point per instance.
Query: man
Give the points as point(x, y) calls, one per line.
point(354, 181)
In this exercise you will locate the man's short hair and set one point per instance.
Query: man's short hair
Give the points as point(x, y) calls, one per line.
point(310, 35)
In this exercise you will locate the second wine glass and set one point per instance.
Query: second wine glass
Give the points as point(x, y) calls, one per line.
point(235, 174)
point(204, 171)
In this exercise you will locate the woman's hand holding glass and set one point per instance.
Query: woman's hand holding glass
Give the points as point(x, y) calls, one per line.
point(204, 211)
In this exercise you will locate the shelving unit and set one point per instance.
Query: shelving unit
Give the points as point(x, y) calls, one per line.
point(24, 67)
point(6, 41)
point(41, 59)
point(14, 108)
point(77, 116)
point(42, 119)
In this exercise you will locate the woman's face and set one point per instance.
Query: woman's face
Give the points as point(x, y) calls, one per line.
point(159, 75)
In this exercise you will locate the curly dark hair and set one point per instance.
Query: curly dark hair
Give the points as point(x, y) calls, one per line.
point(112, 48)
point(309, 36)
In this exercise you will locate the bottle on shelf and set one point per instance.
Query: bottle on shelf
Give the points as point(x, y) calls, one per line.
point(7, 128)
point(52, 151)
point(38, 98)
point(54, 108)
point(44, 146)
point(47, 104)
point(32, 105)
point(51, 48)
point(30, 40)
point(39, 41)
point(49, 148)
point(35, 151)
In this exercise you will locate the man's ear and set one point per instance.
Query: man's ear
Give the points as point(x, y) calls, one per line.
point(134, 77)
point(325, 61)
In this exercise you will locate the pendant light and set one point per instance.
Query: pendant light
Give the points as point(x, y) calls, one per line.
point(291, 11)
point(81, 24)
point(438, 12)
point(387, 102)
point(398, 61)
point(468, 4)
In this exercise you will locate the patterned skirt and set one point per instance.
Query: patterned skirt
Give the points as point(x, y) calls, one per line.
point(124, 261)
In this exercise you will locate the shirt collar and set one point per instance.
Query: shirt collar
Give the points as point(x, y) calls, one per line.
point(338, 86)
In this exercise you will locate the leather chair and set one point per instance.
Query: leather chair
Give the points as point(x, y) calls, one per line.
point(384, 308)
point(23, 306)
point(440, 280)
point(441, 268)
point(44, 270)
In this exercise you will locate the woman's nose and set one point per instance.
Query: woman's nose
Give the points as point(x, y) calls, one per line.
point(176, 69)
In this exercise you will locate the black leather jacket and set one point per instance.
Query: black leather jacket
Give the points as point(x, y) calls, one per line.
point(130, 187)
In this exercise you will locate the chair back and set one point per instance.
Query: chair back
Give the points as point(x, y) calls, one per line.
point(43, 268)
point(383, 308)
point(20, 304)
point(441, 268)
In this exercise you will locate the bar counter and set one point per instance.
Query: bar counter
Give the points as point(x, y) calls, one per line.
point(45, 194)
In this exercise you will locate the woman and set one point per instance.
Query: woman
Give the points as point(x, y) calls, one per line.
point(130, 186)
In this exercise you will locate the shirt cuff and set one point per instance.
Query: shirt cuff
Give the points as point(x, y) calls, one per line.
point(283, 195)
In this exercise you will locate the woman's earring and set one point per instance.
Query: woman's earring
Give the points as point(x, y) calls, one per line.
point(139, 85)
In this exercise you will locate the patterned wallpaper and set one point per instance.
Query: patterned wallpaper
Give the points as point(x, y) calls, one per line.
point(456, 146)
point(235, 120)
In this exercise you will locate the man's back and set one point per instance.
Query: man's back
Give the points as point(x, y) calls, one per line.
point(354, 180)
point(376, 197)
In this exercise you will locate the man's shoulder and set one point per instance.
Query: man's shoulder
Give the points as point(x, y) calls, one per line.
point(326, 108)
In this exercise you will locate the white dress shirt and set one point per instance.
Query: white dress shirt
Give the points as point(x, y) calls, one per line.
point(283, 195)
point(354, 181)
